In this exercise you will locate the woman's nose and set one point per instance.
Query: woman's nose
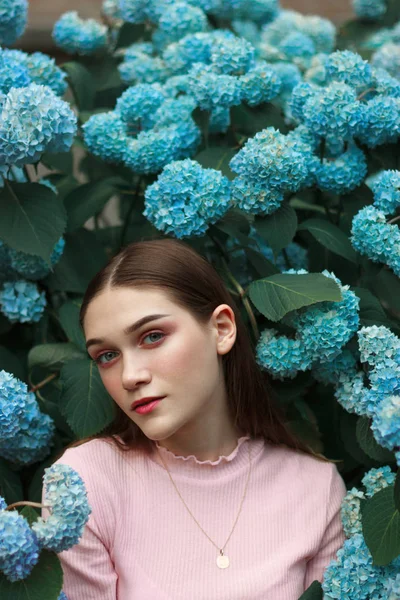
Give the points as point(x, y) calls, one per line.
point(134, 374)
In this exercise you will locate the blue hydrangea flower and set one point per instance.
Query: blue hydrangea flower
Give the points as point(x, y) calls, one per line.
point(138, 104)
point(3, 503)
point(386, 190)
point(111, 10)
point(322, 32)
point(81, 36)
point(220, 119)
point(105, 135)
point(330, 371)
point(34, 439)
point(258, 11)
point(343, 174)
point(66, 495)
point(289, 75)
point(369, 9)
point(348, 67)
point(297, 45)
point(13, 70)
point(25, 432)
point(233, 56)
point(152, 150)
point(316, 72)
point(178, 20)
point(143, 69)
point(273, 160)
point(254, 198)
point(386, 422)
point(174, 110)
point(13, 399)
point(247, 30)
point(384, 83)
point(260, 84)
point(388, 57)
point(211, 89)
point(377, 344)
point(21, 301)
point(352, 394)
point(280, 356)
point(34, 267)
point(333, 110)
point(62, 596)
point(297, 256)
point(300, 94)
point(34, 120)
point(43, 70)
point(133, 11)
point(373, 237)
point(352, 574)
point(378, 479)
point(350, 512)
point(380, 122)
point(180, 56)
point(13, 20)
point(186, 198)
point(176, 85)
point(392, 588)
point(19, 549)
point(326, 327)
point(19, 69)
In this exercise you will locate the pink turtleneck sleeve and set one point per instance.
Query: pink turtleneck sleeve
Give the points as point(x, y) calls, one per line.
point(141, 543)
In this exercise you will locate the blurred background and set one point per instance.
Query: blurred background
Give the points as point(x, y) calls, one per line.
point(43, 14)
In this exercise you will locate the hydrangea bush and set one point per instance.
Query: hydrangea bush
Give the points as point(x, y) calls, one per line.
point(270, 142)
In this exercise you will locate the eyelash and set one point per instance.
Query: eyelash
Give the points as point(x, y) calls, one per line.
point(97, 359)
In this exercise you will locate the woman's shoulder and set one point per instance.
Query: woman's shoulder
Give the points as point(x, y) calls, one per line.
point(301, 465)
point(93, 452)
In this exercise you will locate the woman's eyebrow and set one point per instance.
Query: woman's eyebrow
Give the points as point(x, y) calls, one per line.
point(130, 329)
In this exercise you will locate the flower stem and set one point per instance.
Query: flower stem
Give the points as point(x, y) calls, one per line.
point(27, 503)
point(394, 220)
point(43, 382)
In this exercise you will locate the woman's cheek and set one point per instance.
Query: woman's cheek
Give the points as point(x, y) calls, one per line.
point(111, 381)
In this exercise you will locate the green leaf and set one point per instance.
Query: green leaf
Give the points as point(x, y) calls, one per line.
point(10, 363)
point(85, 402)
point(314, 592)
point(369, 445)
point(44, 582)
point(68, 315)
point(303, 205)
point(25, 224)
point(279, 294)
point(89, 199)
point(279, 228)
point(82, 258)
point(371, 311)
point(129, 33)
point(397, 491)
point(251, 120)
point(262, 265)
point(10, 483)
point(217, 157)
point(381, 526)
point(62, 161)
point(81, 81)
point(387, 287)
point(53, 356)
point(30, 514)
point(331, 237)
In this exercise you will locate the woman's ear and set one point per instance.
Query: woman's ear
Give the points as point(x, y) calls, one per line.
point(225, 326)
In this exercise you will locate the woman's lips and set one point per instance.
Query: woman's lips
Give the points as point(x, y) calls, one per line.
point(146, 408)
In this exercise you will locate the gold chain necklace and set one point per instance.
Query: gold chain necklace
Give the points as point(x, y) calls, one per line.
point(222, 559)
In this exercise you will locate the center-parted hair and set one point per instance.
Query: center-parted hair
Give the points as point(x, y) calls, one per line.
point(191, 282)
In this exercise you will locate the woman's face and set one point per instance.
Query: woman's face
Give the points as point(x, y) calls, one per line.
point(172, 356)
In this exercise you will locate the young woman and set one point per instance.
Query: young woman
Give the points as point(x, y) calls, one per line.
point(205, 494)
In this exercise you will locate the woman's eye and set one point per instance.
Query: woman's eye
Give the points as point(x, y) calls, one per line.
point(99, 361)
point(154, 333)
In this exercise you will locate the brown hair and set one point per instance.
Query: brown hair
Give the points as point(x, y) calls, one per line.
point(191, 282)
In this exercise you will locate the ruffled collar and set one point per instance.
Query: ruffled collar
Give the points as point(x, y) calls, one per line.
point(171, 456)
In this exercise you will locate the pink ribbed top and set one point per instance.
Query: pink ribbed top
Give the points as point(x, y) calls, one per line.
point(140, 542)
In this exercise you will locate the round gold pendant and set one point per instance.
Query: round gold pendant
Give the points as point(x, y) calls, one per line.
point(222, 561)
